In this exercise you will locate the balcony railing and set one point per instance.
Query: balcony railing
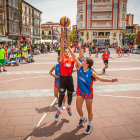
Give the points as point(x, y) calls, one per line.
point(101, 18)
point(1, 6)
point(1, 21)
point(36, 16)
point(96, 26)
point(36, 25)
point(35, 34)
point(101, 9)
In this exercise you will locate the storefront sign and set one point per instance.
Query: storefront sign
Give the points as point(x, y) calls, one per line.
point(20, 14)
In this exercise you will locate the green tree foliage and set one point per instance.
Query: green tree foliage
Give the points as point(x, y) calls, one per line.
point(114, 35)
point(132, 35)
point(71, 36)
point(44, 37)
point(87, 35)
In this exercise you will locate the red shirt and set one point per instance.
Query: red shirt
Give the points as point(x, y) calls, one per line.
point(96, 49)
point(118, 49)
point(122, 48)
point(105, 56)
point(6, 52)
point(66, 67)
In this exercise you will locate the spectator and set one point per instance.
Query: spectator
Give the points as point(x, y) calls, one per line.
point(2, 58)
point(18, 56)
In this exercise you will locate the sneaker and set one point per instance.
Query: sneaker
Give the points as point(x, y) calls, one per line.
point(5, 70)
point(88, 130)
point(81, 122)
point(58, 113)
point(69, 111)
point(103, 70)
point(0, 71)
point(64, 106)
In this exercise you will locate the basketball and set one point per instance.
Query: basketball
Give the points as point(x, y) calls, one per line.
point(65, 21)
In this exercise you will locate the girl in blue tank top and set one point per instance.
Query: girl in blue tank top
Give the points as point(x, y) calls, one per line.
point(56, 82)
point(85, 78)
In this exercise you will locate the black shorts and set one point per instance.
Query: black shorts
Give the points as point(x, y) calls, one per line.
point(127, 50)
point(66, 83)
point(106, 62)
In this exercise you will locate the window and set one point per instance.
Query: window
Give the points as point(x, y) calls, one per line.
point(82, 33)
point(95, 7)
point(95, 0)
point(25, 19)
point(94, 33)
point(108, 7)
point(125, 31)
point(108, 0)
point(29, 12)
point(49, 32)
point(1, 31)
point(0, 17)
point(107, 15)
point(99, 0)
point(80, 16)
point(127, 16)
point(127, 23)
point(80, 8)
point(25, 9)
point(107, 34)
point(95, 16)
point(80, 25)
point(103, 0)
point(124, 6)
point(124, 15)
point(123, 24)
point(101, 33)
point(107, 25)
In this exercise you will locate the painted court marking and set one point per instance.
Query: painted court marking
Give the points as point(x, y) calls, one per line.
point(42, 118)
point(118, 96)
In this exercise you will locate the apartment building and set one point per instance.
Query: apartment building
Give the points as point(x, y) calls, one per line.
point(2, 18)
point(102, 19)
point(31, 20)
point(47, 29)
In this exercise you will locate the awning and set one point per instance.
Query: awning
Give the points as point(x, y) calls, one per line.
point(5, 39)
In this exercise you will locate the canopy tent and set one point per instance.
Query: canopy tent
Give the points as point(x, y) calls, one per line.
point(5, 39)
point(48, 41)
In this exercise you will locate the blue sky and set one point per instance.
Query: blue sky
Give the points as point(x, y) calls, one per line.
point(53, 10)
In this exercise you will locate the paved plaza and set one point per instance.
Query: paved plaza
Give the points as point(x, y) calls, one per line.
point(28, 106)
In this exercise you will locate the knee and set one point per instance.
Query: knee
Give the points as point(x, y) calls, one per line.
point(90, 111)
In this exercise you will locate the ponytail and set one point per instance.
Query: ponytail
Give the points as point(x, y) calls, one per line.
point(95, 72)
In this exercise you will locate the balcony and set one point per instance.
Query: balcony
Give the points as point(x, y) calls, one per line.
point(101, 26)
point(1, 21)
point(102, 9)
point(101, 18)
point(35, 34)
point(35, 16)
point(2, 7)
point(36, 25)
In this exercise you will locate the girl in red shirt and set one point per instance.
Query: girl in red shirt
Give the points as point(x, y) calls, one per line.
point(96, 51)
point(118, 50)
point(105, 57)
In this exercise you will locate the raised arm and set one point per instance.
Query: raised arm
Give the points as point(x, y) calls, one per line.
point(62, 45)
point(53, 68)
point(80, 52)
point(103, 79)
point(72, 54)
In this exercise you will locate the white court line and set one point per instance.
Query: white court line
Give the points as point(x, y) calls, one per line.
point(46, 113)
point(122, 77)
point(42, 118)
point(118, 96)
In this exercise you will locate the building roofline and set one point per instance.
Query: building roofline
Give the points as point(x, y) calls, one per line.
point(31, 6)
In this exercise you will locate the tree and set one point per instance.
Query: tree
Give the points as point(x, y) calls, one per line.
point(71, 36)
point(87, 35)
point(44, 37)
point(49, 37)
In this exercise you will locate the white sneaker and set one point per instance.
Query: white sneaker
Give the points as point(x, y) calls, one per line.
point(64, 106)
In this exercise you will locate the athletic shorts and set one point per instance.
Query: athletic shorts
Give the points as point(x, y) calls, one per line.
point(56, 84)
point(127, 50)
point(2, 62)
point(106, 62)
point(90, 50)
point(122, 50)
point(66, 83)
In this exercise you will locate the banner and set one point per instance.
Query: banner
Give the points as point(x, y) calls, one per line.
point(135, 51)
point(12, 56)
point(20, 14)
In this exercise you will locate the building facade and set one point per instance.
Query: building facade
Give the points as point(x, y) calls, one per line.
point(31, 19)
point(13, 19)
point(47, 29)
point(103, 19)
point(3, 21)
point(129, 24)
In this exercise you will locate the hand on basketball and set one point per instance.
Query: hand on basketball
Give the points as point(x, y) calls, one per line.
point(114, 80)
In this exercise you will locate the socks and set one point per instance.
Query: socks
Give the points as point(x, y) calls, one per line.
point(59, 108)
point(68, 106)
point(89, 123)
point(81, 117)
